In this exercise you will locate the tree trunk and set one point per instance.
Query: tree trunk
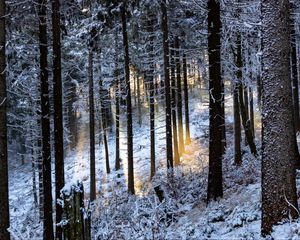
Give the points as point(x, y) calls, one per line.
point(243, 111)
point(46, 150)
point(117, 96)
point(186, 103)
point(150, 80)
point(246, 104)
point(173, 103)
point(294, 70)
point(251, 108)
point(279, 197)
point(4, 202)
point(58, 112)
point(104, 120)
point(165, 31)
point(215, 182)
point(237, 126)
point(92, 128)
point(34, 161)
point(179, 97)
point(128, 102)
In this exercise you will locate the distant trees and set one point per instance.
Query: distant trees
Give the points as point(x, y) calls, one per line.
point(279, 198)
point(152, 68)
point(4, 201)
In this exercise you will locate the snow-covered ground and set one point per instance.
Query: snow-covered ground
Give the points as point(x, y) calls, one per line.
point(184, 213)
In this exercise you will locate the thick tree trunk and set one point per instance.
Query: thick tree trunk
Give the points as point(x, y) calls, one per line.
point(179, 98)
point(165, 31)
point(58, 112)
point(186, 102)
point(294, 70)
point(128, 103)
point(279, 197)
point(215, 182)
point(4, 202)
point(92, 128)
point(46, 150)
point(173, 103)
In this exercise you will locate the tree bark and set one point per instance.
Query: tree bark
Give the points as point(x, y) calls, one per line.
point(279, 197)
point(92, 128)
point(58, 112)
point(128, 103)
point(186, 102)
point(179, 98)
point(294, 70)
point(117, 96)
point(251, 111)
point(215, 181)
point(45, 122)
point(150, 80)
point(237, 126)
point(104, 120)
point(4, 202)
point(165, 31)
point(173, 103)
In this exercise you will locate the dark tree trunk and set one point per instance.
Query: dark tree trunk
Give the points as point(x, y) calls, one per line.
point(106, 148)
point(251, 109)
point(128, 103)
point(139, 97)
point(58, 109)
point(179, 98)
point(117, 95)
point(237, 126)
point(150, 80)
point(246, 104)
point(92, 128)
point(40, 167)
point(117, 92)
point(165, 31)
point(173, 103)
point(224, 143)
point(4, 202)
point(294, 70)
point(46, 150)
point(104, 119)
point(186, 103)
point(279, 196)
point(215, 181)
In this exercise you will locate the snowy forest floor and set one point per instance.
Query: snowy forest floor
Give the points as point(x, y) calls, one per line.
point(184, 213)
